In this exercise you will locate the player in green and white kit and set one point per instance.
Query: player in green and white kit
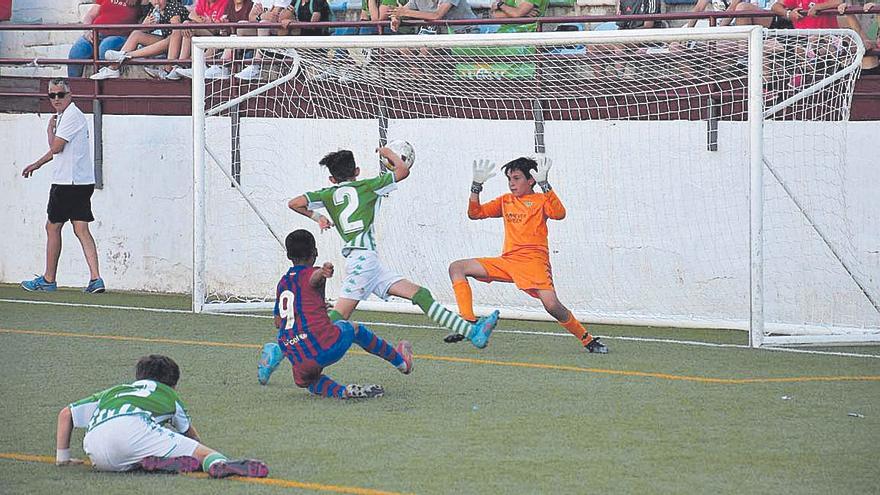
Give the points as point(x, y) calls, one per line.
point(126, 428)
point(353, 206)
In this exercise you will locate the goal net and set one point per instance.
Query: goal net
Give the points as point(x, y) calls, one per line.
point(704, 171)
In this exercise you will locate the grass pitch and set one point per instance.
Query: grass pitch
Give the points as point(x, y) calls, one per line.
point(528, 414)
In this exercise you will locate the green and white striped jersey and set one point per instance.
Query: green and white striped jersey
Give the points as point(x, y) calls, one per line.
point(353, 207)
point(153, 400)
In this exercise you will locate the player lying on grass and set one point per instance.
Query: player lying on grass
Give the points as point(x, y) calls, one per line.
point(352, 205)
point(307, 336)
point(124, 428)
point(525, 259)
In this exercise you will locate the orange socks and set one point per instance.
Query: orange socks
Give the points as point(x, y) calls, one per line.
point(465, 299)
point(575, 328)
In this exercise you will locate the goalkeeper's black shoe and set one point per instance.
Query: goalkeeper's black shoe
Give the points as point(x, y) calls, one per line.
point(453, 337)
point(595, 346)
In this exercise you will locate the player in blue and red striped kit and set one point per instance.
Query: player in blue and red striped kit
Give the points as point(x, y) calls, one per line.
point(307, 336)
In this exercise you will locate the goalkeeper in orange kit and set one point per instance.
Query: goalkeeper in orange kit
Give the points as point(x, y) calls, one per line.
point(525, 259)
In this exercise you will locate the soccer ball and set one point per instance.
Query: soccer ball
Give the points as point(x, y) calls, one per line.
point(404, 150)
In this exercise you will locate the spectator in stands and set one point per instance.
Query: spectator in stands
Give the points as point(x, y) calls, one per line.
point(103, 12)
point(432, 10)
point(204, 12)
point(505, 9)
point(775, 22)
point(638, 7)
point(802, 13)
point(267, 11)
point(870, 61)
point(156, 42)
point(271, 11)
point(717, 6)
point(73, 182)
point(238, 11)
point(309, 11)
point(369, 11)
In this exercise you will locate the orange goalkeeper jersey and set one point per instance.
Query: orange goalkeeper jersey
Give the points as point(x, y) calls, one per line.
point(525, 219)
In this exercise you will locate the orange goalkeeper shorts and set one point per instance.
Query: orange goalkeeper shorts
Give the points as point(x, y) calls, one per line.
point(530, 273)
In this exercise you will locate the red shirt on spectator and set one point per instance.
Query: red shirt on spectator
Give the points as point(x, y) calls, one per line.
point(212, 9)
point(233, 15)
point(817, 22)
point(116, 12)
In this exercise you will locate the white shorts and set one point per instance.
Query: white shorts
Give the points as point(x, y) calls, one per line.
point(365, 275)
point(119, 444)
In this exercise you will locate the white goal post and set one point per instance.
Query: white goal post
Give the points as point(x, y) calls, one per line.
point(704, 171)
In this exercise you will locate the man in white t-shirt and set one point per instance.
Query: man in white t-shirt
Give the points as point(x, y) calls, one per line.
point(73, 182)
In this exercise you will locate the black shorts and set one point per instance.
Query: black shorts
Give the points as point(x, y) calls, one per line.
point(780, 22)
point(70, 202)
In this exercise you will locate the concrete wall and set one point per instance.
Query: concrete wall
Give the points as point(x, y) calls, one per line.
point(656, 231)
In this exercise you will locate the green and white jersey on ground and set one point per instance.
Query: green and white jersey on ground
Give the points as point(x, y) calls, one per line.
point(353, 207)
point(152, 400)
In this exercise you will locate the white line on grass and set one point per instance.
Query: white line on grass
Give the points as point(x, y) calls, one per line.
point(431, 327)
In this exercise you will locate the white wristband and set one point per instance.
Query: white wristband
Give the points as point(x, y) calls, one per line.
point(62, 455)
point(316, 216)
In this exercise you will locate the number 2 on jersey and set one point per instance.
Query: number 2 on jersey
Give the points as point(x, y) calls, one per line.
point(144, 389)
point(340, 196)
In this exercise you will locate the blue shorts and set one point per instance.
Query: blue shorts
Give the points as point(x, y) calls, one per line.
point(309, 370)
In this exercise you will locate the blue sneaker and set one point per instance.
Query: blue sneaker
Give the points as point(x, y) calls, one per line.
point(95, 286)
point(483, 329)
point(39, 284)
point(270, 358)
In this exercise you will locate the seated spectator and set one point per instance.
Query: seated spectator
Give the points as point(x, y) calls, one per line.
point(717, 6)
point(432, 10)
point(271, 11)
point(870, 61)
point(309, 11)
point(204, 12)
point(154, 43)
point(638, 7)
point(103, 12)
point(775, 22)
point(236, 11)
point(505, 9)
point(802, 13)
point(369, 11)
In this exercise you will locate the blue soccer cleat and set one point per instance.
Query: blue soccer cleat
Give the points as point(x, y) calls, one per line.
point(483, 329)
point(39, 284)
point(270, 358)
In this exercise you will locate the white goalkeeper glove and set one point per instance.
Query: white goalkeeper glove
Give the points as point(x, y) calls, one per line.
point(540, 174)
point(483, 171)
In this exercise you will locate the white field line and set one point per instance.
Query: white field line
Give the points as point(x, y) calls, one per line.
point(432, 327)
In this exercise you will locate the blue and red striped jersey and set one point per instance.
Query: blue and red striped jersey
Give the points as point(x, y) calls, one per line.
point(305, 327)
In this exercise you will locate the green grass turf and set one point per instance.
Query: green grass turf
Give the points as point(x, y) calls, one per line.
point(452, 427)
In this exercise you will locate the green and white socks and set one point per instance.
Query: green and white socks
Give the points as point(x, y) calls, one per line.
point(437, 312)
